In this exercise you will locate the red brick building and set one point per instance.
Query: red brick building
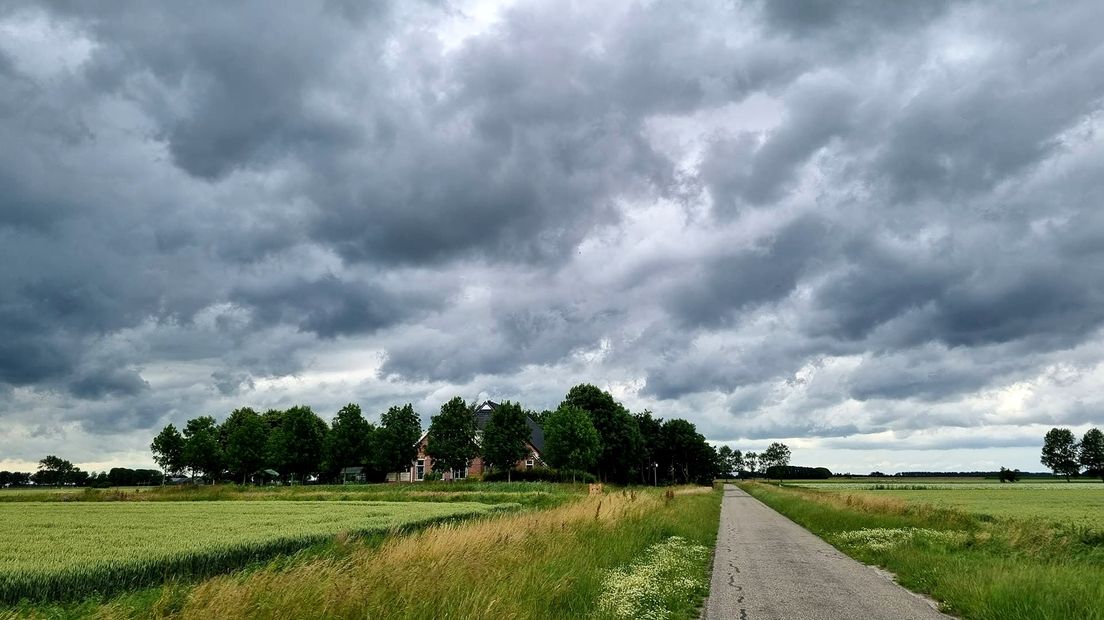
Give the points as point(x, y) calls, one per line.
point(423, 463)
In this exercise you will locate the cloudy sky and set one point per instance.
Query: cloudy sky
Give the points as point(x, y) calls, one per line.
point(871, 230)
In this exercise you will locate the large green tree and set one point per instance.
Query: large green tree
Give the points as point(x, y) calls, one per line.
point(202, 450)
point(396, 441)
point(1092, 452)
point(452, 436)
point(620, 436)
point(1060, 452)
point(348, 441)
point(724, 453)
point(244, 439)
point(168, 450)
point(751, 462)
point(295, 444)
point(686, 455)
point(651, 435)
point(506, 437)
point(776, 455)
point(53, 471)
point(570, 440)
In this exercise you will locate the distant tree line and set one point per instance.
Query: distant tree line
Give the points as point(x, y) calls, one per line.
point(1066, 456)
point(951, 474)
point(295, 444)
point(590, 432)
point(56, 472)
point(754, 464)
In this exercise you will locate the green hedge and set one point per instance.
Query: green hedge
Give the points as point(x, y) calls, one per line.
point(795, 472)
point(540, 474)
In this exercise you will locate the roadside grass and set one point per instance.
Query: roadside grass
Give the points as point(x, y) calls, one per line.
point(555, 563)
point(977, 566)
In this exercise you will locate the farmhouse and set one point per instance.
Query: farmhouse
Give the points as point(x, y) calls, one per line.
point(423, 464)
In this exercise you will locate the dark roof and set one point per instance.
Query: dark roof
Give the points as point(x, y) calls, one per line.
point(483, 415)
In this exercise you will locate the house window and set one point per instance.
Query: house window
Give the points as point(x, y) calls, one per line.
point(459, 474)
point(529, 464)
point(420, 470)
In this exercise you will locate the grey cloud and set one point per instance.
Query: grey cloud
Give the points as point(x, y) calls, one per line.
point(908, 442)
point(515, 338)
point(230, 383)
point(225, 194)
point(743, 169)
point(102, 382)
point(330, 306)
point(737, 280)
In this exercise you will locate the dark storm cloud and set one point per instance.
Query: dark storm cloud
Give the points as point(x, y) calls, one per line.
point(329, 306)
point(817, 218)
point(743, 170)
point(729, 283)
point(244, 100)
point(512, 339)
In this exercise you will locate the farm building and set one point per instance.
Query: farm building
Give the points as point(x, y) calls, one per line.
point(423, 463)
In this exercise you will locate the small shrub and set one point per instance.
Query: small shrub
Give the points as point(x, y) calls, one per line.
point(540, 474)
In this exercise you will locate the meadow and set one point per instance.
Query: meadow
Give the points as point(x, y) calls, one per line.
point(1073, 503)
point(984, 550)
point(53, 550)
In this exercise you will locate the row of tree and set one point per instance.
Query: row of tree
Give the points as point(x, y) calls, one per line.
point(589, 431)
point(630, 448)
point(56, 471)
point(751, 464)
point(295, 443)
point(1066, 456)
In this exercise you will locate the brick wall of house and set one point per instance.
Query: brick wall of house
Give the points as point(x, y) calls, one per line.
point(474, 469)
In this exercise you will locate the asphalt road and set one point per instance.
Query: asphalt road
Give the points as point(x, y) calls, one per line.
point(769, 568)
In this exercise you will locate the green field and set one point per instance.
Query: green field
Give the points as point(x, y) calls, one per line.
point(1078, 503)
point(54, 550)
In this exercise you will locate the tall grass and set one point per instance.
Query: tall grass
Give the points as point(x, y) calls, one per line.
point(554, 563)
point(977, 566)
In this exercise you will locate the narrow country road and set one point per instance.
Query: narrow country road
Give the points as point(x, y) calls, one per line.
point(769, 568)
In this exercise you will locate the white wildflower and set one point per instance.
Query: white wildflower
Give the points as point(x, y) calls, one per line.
point(878, 539)
point(669, 572)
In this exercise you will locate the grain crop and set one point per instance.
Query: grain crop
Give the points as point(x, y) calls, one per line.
point(57, 551)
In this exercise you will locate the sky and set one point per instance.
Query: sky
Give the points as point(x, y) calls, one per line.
point(870, 230)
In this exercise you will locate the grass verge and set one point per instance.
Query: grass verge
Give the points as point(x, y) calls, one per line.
point(976, 566)
point(556, 563)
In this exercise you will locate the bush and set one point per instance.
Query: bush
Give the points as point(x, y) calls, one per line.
point(795, 472)
point(540, 474)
